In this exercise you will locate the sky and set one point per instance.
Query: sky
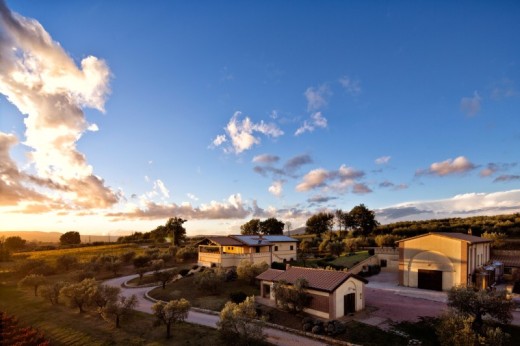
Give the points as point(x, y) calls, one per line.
point(115, 116)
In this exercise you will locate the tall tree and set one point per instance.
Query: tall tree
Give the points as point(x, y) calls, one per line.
point(319, 223)
point(271, 226)
point(363, 220)
point(288, 226)
point(251, 227)
point(339, 220)
point(177, 231)
point(70, 238)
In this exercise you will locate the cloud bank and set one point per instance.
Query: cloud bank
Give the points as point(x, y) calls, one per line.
point(45, 84)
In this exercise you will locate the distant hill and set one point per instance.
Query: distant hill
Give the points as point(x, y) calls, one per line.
point(54, 237)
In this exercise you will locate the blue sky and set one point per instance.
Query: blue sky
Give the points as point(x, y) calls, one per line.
point(219, 112)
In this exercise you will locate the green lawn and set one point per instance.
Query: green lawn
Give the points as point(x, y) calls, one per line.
point(350, 261)
point(185, 288)
point(64, 326)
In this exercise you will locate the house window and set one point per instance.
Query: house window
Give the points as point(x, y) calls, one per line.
point(383, 263)
point(508, 270)
point(292, 247)
point(276, 248)
point(257, 250)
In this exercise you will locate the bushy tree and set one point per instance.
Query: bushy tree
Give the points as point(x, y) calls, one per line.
point(119, 309)
point(103, 295)
point(319, 223)
point(336, 248)
point(176, 230)
point(248, 271)
point(251, 227)
point(210, 280)
point(51, 292)
point(304, 250)
point(292, 297)
point(351, 244)
point(186, 254)
point(66, 262)
point(14, 243)
point(272, 226)
point(363, 220)
point(142, 261)
point(5, 254)
point(77, 295)
point(498, 239)
point(141, 271)
point(468, 302)
point(127, 257)
point(70, 238)
point(386, 240)
point(34, 281)
point(170, 313)
point(238, 324)
point(163, 276)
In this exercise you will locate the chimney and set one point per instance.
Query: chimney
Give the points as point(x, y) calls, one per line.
point(287, 266)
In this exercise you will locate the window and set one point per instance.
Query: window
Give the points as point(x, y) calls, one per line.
point(276, 248)
point(292, 247)
point(508, 270)
point(383, 263)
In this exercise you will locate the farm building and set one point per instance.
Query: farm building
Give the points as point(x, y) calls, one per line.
point(334, 293)
point(439, 261)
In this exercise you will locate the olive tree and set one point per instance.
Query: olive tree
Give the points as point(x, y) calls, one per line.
point(248, 271)
point(238, 323)
point(78, 295)
point(118, 309)
point(170, 313)
point(51, 292)
point(34, 281)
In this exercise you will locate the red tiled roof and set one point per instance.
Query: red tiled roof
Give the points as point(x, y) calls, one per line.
point(318, 279)
point(507, 260)
point(269, 274)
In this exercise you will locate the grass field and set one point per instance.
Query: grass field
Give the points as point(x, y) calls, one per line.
point(350, 261)
point(64, 326)
point(185, 288)
point(83, 254)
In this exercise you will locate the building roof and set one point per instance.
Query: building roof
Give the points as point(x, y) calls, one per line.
point(224, 241)
point(509, 260)
point(468, 238)
point(318, 279)
point(262, 240)
point(249, 240)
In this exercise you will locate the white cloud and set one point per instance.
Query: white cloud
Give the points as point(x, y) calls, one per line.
point(316, 120)
point(351, 86)
point(464, 205)
point(313, 179)
point(276, 188)
point(317, 97)
point(242, 133)
point(383, 160)
point(459, 165)
point(44, 83)
point(93, 128)
point(192, 196)
point(470, 105)
point(219, 140)
point(159, 185)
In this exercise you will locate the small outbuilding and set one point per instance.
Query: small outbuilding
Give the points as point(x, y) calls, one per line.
point(439, 261)
point(334, 293)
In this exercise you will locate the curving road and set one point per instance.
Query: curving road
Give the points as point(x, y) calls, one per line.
point(274, 336)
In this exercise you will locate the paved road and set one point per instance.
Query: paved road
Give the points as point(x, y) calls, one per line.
point(274, 336)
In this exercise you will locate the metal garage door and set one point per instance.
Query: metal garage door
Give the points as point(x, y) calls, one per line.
point(430, 279)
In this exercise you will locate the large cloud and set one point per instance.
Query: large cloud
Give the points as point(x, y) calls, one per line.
point(44, 83)
point(242, 133)
point(469, 204)
point(233, 208)
point(337, 180)
point(459, 165)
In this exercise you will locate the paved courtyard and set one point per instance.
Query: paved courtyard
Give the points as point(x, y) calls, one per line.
point(387, 302)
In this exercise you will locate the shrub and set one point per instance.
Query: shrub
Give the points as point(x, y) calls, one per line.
point(237, 297)
point(187, 253)
point(127, 257)
point(141, 261)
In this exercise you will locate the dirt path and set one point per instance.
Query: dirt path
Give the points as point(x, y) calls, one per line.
point(274, 336)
